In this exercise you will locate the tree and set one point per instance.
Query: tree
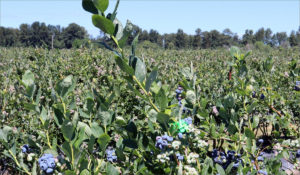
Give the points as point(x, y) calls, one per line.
point(260, 35)
point(153, 36)
point(281, 37)
point(293, 39)
point(268, 36)
point(248, 37)
point(197, 39)
point(181, 40)
point(72, 32)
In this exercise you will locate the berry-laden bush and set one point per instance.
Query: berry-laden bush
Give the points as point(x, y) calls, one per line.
point(91, 111)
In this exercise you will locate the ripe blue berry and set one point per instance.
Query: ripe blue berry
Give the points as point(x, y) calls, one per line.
point(261, 141)
point(25, 148)
point(49, 170)
point(262, 96)
point(260, 158)
point(253, 94)
point(262, 172)
point(298, 153)
point(180, 136)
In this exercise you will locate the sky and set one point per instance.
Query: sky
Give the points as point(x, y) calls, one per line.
point(165, 16)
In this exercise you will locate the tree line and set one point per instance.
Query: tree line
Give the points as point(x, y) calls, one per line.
point(41, 35)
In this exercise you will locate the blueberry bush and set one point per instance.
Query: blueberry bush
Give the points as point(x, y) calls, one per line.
point(148, 111)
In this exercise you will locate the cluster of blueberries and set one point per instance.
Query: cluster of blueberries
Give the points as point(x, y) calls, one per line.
point(47, 163)
point(188, 120)
point(225, 159)
point(162, 141)
point(26, 149)
point(262, 96)
point(110, 154)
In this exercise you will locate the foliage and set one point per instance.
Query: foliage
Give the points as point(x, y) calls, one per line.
point(113, 111)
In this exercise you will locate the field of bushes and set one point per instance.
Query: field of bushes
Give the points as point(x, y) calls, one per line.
point(85, 111)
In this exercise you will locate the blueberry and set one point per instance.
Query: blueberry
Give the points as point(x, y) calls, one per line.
point(253, 94)
point(51, 163)
point(164, 143)
point(261, 141)
point(49, 170)
point(24, 150)
point(165, 137)
point(236, 165)
point(188, 120)
point(262, 96)
point(262, 172)
point(43, 166)
point(180, 136)
point(298, 153)
point(217, 160)
point(215, 153)
point(260, 158)
point(170, 139)
point(180, 157)
point(178, 91)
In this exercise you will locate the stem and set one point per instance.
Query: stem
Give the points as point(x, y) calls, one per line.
point(17, 162)
point(72, 155)
point(145, 92)
point(48, 139)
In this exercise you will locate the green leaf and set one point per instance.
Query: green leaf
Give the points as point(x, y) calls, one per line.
point(255, 121)
point(65, 86)
point(120, 154)
point(163, 118)
point(235, 51)
point(104, 24)
point(229, 102)
point(101, 4)
point(69, 172)
point(249, 133)
point(251, 107)
point(130, 143)
point(140, 70)
point(131, 127)
point(126, 33)
point(68, 130)
point(133, 44)
point(97, 131)
point(229, 167)
point(220, 169)
point(51, 151)
point(89, 6)
point(124, 66)
point(28, 78)
point(105, 117)
point(118, 29)
point(111, 170)
point(151, 79)
point(103, 140)
point(161, 99)
point(191, 97)
point(85, 172)
point(43, 115)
